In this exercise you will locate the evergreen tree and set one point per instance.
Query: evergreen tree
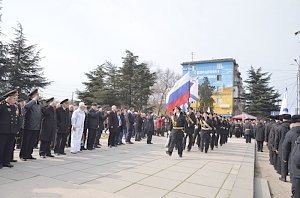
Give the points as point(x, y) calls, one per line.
point(3, 63)
point(94, 88)
point(260, 98)
point(127, 72)
point(205, 91)
point(24, 71)
point(137, 80)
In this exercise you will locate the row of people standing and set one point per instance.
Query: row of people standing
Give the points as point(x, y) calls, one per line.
point(282, 134)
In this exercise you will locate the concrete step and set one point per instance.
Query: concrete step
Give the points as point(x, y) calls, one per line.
point(261, 188)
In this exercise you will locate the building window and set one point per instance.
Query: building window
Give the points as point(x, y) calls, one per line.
point(219, 66)
point(219, 77)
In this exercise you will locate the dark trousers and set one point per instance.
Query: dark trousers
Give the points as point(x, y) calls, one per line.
point(217, 139)
point(212, 141)
point(284, 169)
point(45, 148)
point(137, 136)
point(248, 138)
point(117, 135)
point(98, 136)
point(260, 145)
point(69, 138)
point(28, 143)
point(196, 137)
point(120, 136)
point(84, 138)
point(61, 140)
point(129, 135)
point(91, 138)
point(205, 139)
point(149, 136)
point(6, 148)
point(190, 136)
point(112, 137)
point(176, 140)
point(296, 183)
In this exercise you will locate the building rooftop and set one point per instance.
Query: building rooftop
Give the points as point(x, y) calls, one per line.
point(210, 61)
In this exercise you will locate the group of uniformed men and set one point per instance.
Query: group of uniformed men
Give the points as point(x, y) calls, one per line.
point(203, 128)
point(56, 126)
point(282, 134)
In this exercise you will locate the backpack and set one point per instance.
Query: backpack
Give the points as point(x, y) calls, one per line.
point(296, 153)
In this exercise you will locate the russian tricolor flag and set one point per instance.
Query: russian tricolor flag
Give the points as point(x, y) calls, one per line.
point(180, 93)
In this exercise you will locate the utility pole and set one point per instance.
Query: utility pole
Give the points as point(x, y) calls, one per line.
point(298, 88)
point(72, 97)
point(298, 82)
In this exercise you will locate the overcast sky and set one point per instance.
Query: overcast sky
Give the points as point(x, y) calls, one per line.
point(77, 35)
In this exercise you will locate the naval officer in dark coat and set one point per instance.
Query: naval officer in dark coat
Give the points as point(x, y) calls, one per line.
point(9, 126)
point(48, 128)
point(31, 125)
point(63, 127)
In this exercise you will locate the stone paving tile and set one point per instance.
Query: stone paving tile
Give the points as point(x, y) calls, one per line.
point(137, 190)
point(77, 177)
point(223, 194)
point(108, 184)
point(159, 182)
point(20, 175)
point(197, 190)
point(173, 175)
point(179, 195)
point(5, 180)
point(207, 180)
point(52, 171)
point(128, 176)
point(76, 166)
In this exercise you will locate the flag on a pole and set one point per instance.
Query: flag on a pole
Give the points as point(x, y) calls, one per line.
point(194, 92)
point(180, 93)
point(284, 104)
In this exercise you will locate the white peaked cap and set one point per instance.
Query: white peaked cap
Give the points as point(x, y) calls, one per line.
point(81, 104)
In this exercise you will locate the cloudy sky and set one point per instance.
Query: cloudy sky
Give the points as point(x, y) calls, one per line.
point(77, 35)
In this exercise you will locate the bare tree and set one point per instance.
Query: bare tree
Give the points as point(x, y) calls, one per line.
point(165, 81)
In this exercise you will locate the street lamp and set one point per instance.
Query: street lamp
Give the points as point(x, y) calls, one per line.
point(298, 86)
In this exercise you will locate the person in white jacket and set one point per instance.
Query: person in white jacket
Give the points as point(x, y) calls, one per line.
point(77, 128)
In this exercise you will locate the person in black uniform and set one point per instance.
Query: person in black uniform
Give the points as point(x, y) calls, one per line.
point(93, 126)
point(178, 122)
point(48, 128)
point(113, 124)
point(287, 147)
point(191, 122)
point(63, 127)
point(31, 125)
point(206, 128)
point(9, 126)
point(279, 138)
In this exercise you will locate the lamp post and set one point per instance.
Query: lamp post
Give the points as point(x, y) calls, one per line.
point(298, 87)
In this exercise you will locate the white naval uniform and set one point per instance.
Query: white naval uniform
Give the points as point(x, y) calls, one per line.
point(77, 130)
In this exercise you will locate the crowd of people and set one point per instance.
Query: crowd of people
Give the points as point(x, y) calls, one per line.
point(54, 126)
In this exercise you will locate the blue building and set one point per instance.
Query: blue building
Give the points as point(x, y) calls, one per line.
point(224, 75)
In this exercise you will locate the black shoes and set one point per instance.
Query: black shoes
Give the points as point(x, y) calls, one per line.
point(50, 155)
point(169, 153)
point(180, 155)
point(282, 179)
point(8, 165)
point(13, 160)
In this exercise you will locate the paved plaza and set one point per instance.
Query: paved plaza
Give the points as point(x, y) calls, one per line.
point(137, 170)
